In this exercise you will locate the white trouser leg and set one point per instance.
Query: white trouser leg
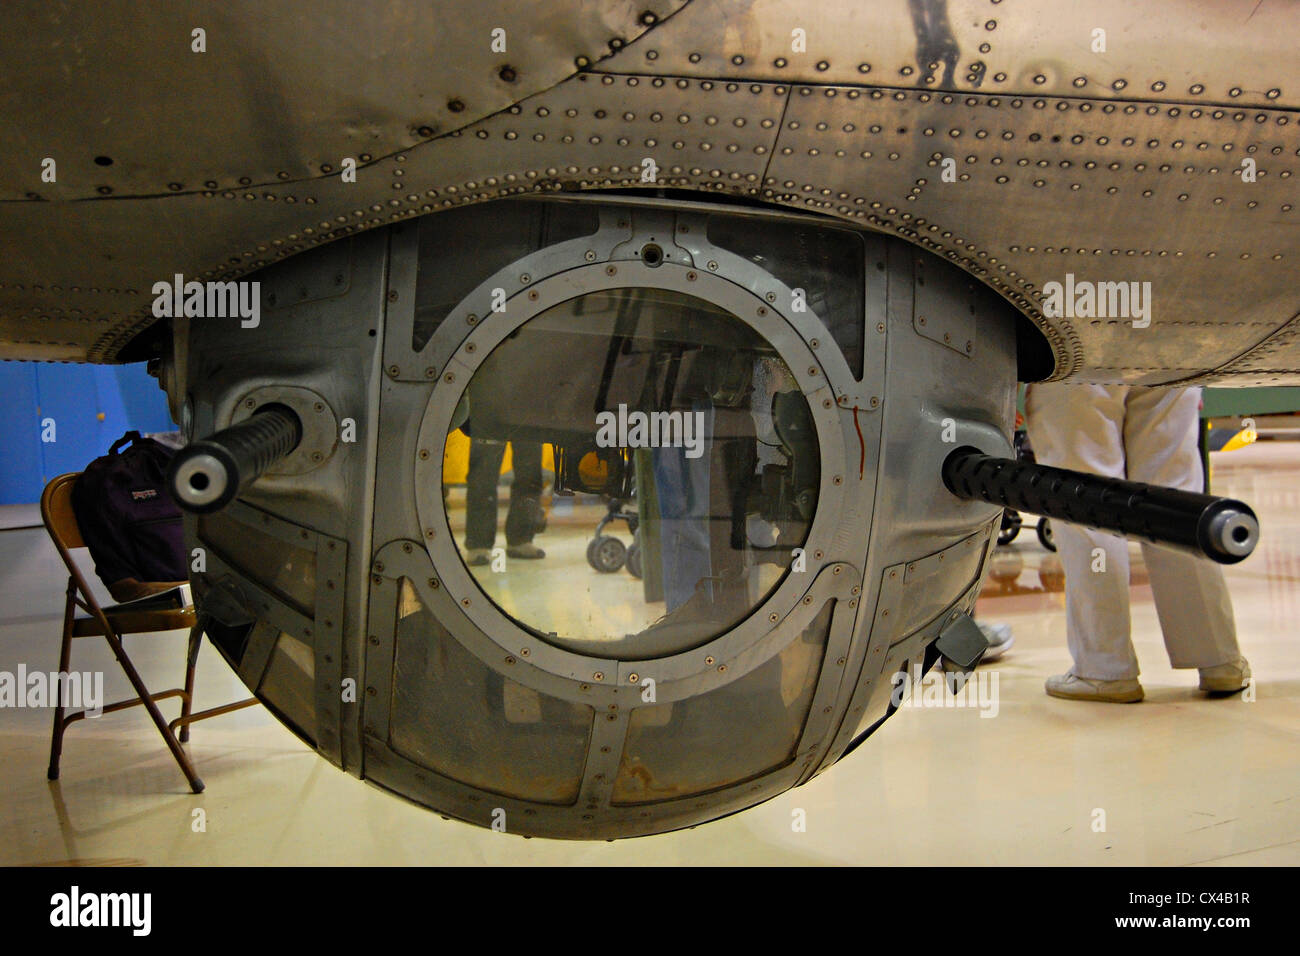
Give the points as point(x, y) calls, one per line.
point(1191, 595)
point(1080, 427)
point(1097, 628)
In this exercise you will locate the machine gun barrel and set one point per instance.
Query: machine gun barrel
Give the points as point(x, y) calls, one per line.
point(206, 475)
point(1222, 529)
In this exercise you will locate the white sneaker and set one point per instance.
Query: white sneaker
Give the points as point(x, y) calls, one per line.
point(1230, 678)
point(999, 638)
point(1073, 687)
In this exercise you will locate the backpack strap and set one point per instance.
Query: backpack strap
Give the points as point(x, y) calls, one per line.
point(128, 437)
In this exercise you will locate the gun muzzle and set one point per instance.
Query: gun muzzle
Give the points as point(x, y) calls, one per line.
point(207, 475)
point(1222, 529)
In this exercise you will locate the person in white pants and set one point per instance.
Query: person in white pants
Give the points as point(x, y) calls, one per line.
point(1138, 434)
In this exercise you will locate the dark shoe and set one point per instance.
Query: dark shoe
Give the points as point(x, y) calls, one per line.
point(478, 557)
point(527, 552)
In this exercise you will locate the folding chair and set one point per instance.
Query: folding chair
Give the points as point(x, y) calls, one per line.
point(112, 624)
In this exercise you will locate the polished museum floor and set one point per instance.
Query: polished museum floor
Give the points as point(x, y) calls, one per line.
point(1177, 779)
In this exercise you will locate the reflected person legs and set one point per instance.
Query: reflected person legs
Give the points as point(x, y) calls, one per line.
point(485, 457)
point(525, 516)
point(682, 487)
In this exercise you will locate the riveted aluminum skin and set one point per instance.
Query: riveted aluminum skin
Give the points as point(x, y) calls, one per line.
point(1112, 142)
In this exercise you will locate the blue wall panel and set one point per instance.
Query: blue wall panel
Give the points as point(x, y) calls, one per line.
point(91, 407)
point(20, 439)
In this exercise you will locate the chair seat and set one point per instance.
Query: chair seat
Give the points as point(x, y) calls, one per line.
point(136, 622)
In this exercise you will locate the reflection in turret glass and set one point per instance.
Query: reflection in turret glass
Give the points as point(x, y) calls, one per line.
point(679, 472)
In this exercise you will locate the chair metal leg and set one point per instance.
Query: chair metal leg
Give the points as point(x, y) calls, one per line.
point(213, 712)
point(172, 744)
point(65, 661)
point(191, 661)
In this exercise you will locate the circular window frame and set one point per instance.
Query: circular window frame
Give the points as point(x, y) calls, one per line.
point(756, 637)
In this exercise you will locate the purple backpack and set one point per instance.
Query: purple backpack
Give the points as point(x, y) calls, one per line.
point(128, 520)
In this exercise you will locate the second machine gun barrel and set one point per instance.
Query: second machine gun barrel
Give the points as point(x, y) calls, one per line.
point(1222, 529)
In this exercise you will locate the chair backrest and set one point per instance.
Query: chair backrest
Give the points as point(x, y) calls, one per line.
point(56, 511)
